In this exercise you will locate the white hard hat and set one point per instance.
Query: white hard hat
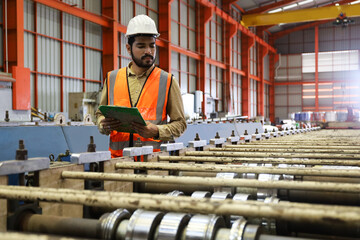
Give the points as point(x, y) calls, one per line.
point(141, 24)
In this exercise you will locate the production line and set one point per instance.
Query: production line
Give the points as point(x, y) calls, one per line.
point(273, 193)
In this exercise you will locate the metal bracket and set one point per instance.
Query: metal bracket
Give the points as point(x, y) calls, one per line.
point(90, 157)
point(138, 151)
point(233, 139)
point(266, 135)
point(199, 143)
point(216, 141)
point(168, 147)
point(245, 137)
point(256, 136)
point(22, 166)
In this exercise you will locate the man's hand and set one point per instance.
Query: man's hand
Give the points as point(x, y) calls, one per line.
point(148, 131)
point(110, 124)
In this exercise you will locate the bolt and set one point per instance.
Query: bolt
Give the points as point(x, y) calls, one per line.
point(21, 153)
point(217, 135)
point(197, 138)
point(246, 133)
point(266, 130)
point(7, 116)
point(91, 145)
point(256, 131)
point(232, 133)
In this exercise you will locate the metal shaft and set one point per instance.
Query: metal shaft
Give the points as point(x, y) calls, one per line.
point(216, 182)
point(237, 169)
point(209, 157)
point(285, 150)
point(218, 153)
point(349, 216)
point(266, 144)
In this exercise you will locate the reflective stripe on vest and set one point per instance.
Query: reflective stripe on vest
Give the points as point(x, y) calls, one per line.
point(151, 104)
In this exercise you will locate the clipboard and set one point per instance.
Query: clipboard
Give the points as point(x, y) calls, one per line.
point(125, 114)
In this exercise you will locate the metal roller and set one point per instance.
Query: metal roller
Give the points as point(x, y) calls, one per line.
point(176, 193)
point(172, 225)
point(142, 225)
point(237, 229)
point(209, 157)
point(203, 227)
point(201, 194)
point(110, 222)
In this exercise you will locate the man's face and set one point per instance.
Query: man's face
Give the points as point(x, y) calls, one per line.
point(143, 51)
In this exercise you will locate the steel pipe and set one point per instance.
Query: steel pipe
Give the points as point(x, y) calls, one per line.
point(209, 157)
point(349, 216)
point(218, 153)
point(216, 182)
point(238, 169)
point(284, 150)
point(265, 144)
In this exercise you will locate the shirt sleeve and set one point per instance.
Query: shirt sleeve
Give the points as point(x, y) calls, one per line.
point(98, 114)
point(175, 110)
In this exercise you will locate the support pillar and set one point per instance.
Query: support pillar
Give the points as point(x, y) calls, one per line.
point(15, 64)
point(205, 16)
point(316, 68)
point(246, 43)
point(231, 30)
point(273, 58)
point(110, 37)
point(165, 34)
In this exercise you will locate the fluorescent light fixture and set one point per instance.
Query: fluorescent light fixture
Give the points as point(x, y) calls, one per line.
point(336, 4)
point(358, 1)
point(275, 10)
point(305, 2)
point(290, 6)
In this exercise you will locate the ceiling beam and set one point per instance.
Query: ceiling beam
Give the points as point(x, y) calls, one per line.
point(308, 25)
point(271, 6)
point(302, 15)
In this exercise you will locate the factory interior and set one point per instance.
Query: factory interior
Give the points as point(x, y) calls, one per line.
point(271, 99)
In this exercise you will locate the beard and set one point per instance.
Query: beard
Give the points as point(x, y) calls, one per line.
point(140, 62)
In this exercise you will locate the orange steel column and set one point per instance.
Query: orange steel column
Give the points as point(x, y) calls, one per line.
point(316, 68)
point(231, 30)
point(273, 58)
point(21, 87)
point(246, 43)
point(110, 37)
point(205, 16)
point(165, 34)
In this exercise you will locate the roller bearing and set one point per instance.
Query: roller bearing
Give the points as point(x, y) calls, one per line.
point(204, 227)
point(142, 225)
point(237, 229)
point(172, 226)
point(110, 221)
point(200, 194)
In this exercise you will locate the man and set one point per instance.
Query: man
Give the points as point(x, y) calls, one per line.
point(153, 91)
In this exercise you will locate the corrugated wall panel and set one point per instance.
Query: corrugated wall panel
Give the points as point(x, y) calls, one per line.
point(73, 60)
point(32, 89)
point(48, 21)
point(207, 80)
point(266, 67)
point(175, 65)
point(280, 100)
point(48, 55)
point(48, 93)
point(93, 6)
point(29, 56)
point(74, 3)
point(28, 15)
point(93, 35)
point(125, 14)
point(125, 59)
point(93, 65)
point(192, 79)
point(184, 69)
point(281, 112)
point(72, 28)
point(70, 85)
point(184, 37)
point(92, 87)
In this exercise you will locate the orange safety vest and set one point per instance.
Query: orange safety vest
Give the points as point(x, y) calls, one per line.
point(151, 103)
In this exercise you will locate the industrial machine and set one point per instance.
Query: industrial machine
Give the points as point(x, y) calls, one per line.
point(250, 184)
